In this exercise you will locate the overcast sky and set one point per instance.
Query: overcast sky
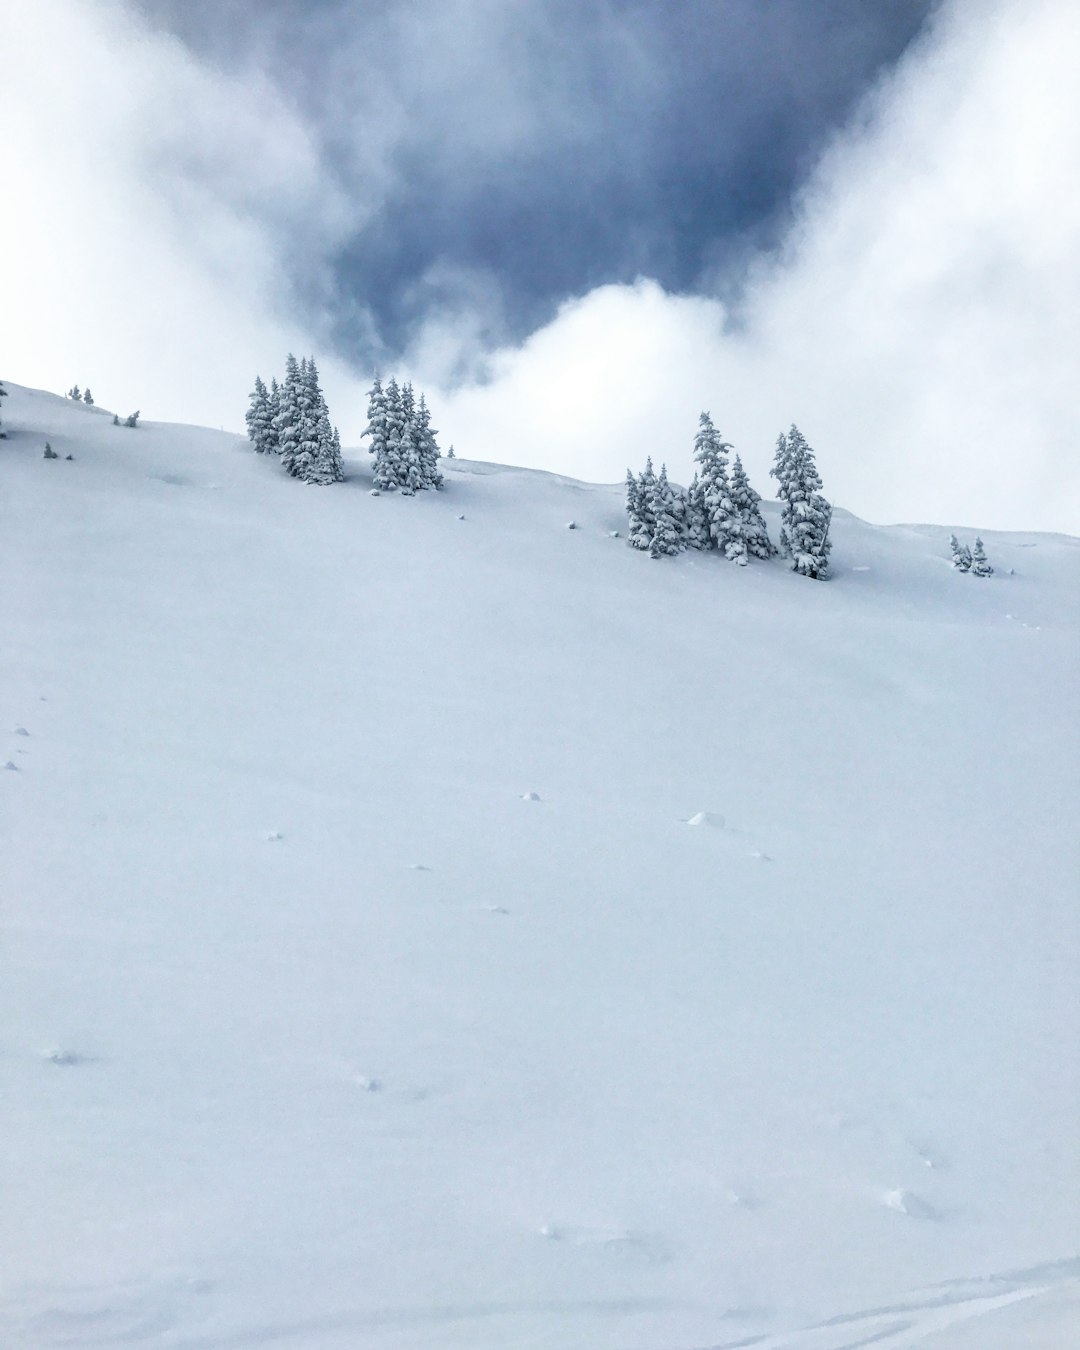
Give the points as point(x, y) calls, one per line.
point(574, 224)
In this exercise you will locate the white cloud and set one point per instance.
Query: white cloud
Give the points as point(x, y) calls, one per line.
point(141, 194)
point(921, 327)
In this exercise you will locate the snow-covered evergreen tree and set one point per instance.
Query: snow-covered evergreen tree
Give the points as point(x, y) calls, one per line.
point(88, 398)
point(697, 524)
point(711, 456)
point(749, 533)
point(979, 565)
point(309, 404)
point(327, 466)
point(389, 471)
point(273, 405)
point(376, 429)
point(287, 422)
point(412, 477)
point(74, 392)
point(961, 554)
point(640, 493)
point(666, 535)
point(3, 395)
point(806, 514)
point(427, 446)
point(260, 420)
point(317, 456)
point(132, 419)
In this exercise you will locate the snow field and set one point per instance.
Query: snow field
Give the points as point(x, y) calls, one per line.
point(425, 932)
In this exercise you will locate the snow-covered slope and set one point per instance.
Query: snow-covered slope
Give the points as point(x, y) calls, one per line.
point(426, 925)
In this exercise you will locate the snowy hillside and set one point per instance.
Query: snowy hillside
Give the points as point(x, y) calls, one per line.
point(428, 926)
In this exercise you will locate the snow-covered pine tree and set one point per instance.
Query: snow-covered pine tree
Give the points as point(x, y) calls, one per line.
point(697, 525)
point(451, 453)
point(806, 514)
point(259, 419)
point(312, 411)
point(116, 419)
point(376, 428)
point(779, 471)
point(412, 476)
point(639, 507)
point(753, 535)
point(316, 460)
point(132, 419)
point(273, 407)
point(961, 554)
point(334, 461)
point(408, 405)
point(287, 421)
point(979, 565)
point(88, 398)
point(633, 509)
point(74, 392)
point(427, 446)
point(666, 538)
point(3, 395)
point(389, 471)
point(711, 456)
point(327, 467)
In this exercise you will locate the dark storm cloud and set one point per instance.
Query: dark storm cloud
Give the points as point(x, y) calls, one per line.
point(499, 156)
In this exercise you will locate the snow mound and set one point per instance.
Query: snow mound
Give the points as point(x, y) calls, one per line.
point(712, 818)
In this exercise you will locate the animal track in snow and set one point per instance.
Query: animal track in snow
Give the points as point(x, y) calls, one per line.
point(66, 1059)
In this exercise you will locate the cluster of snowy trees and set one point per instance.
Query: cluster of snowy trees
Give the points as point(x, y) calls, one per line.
point(131, 420)
point(406, 453)
point(721, 511)
point(291, 420)
point(971, 560)
point(80, 397)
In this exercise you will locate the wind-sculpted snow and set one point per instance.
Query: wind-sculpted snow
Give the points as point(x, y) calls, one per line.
point(425, 934)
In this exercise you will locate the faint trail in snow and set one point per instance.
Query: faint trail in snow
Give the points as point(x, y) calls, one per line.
point(621, 1245)
point(906, 1324)
point(92, 1317)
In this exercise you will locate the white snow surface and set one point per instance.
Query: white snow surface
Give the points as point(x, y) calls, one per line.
point(315, 1034)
